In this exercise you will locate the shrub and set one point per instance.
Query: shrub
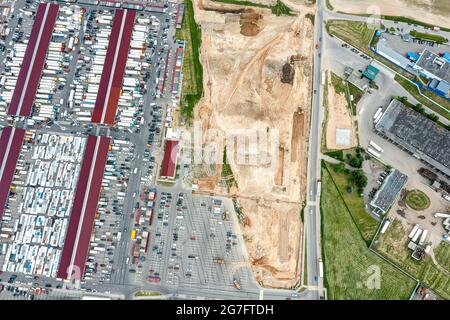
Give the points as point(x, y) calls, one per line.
point(340, 167)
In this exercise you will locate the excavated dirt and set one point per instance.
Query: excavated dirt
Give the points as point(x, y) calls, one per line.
point(250, 23)
point(243, 91)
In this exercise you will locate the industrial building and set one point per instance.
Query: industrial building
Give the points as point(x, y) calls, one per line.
point(33, 61)
point(388, 192)
point(427, 63)
point(433, 66)
point(170, 159)
point(416, 134)
point(110, 85)
point(179, 15)
point(390, 54)
point(85, 203)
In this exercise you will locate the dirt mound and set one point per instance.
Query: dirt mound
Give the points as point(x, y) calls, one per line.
point(287, 75)
point(250, 29)
point(250, 23)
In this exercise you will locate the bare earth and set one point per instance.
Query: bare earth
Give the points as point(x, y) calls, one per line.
point(338, 117)
point(243, 91)
point(429, 11)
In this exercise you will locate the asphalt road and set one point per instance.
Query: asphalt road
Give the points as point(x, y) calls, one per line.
point(312, 210)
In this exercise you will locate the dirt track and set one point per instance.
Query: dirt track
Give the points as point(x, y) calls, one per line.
point(243, 91)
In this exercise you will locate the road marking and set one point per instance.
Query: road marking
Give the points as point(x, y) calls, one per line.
point(261, 294)
point(111, 76)
point(33, 57)
point(8, 147)
point(86, 196)
point(361, 111)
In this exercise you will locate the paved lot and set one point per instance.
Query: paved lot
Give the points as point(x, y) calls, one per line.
point(15, 292)
point(188, 237)
point(403, 47)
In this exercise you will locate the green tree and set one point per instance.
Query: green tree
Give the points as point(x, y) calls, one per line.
point(419, 108)
point(359, 179)
point(403, 99)
point(356, 162)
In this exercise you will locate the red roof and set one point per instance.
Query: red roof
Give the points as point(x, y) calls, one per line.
point(118, 51)
point(76, 244)
point(33, 61)
point(170, 159)
point(11, 140)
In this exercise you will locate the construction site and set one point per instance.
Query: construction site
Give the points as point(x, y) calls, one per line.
point(257, 74)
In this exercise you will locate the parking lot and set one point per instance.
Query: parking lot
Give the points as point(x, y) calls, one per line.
point(415, 45)
point(193, 242)
point(18, 292)
point(107, 233)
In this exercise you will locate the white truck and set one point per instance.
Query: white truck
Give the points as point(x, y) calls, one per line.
point(377, 113)
point(373, 152)
point(375, 146)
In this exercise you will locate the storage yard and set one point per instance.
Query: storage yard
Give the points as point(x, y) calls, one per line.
point(63, 218)
point(45, 50)
point(35, 223)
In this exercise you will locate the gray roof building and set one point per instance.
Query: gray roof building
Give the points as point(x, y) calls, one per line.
point(433, 66)
point(386, 195)
point(417, 134)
